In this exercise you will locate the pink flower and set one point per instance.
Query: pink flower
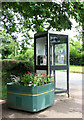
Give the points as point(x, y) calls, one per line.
point(29, 84)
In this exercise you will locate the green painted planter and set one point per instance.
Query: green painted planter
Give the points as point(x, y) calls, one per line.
point(31, 99)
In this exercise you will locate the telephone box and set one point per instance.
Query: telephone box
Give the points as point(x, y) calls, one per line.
point(51, 57)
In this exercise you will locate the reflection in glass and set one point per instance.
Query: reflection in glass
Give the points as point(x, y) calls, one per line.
point(41, 51)
point(41, 71)
point(61, 79)
point(60, 54)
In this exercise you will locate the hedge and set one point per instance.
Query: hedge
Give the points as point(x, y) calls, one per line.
point(15, 68)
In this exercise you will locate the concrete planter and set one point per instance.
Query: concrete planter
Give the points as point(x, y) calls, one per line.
point(31, 99)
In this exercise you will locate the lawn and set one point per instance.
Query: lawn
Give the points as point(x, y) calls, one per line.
point(76, 69)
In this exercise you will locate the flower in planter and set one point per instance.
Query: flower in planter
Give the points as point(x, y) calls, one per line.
point(34, 85)
point(29, 84)
point(41, 74)
point(29, 79)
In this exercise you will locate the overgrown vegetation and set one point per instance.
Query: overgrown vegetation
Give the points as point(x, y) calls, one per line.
point(13, 68)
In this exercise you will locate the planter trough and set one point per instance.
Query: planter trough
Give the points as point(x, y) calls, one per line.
point(31, 99)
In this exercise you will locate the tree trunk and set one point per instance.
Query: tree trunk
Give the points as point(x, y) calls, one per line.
point(15, 50)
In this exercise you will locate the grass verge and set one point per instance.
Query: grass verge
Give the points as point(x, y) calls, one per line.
point(76, 69)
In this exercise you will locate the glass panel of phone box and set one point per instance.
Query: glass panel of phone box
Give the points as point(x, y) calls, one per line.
point(60, 54)
point(61, 79)
point(44, 72)
point(41, 51)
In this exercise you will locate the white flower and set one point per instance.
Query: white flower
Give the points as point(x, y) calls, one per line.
point(29, 84)
point(34, 85)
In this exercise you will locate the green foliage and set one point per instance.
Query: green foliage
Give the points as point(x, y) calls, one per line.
point(77, 12)
point(29, 79)
point(8, 45)
point(82, 59)
point(39, 16)
point(30, 55)
point(11, 56)
point(27, 56)
point(15, 68)
point(20, 57)
point(35, 16)
point(76, 53)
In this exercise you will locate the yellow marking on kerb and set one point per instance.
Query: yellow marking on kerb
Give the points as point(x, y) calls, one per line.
point(31, 94)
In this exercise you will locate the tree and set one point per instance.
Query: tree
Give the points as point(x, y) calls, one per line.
point(77, 11)
point(76, 53)
point(40, 16)
point(35, 16)
point(8, 45)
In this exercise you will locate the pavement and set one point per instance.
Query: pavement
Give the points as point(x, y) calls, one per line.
point(64, 107)
point(2, 101)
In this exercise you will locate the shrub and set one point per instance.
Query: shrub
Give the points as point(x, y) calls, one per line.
point(15, 68)
point(82, 59)
point(11, 56)
point(20, 57)
point(75, 56)
point(27, 55)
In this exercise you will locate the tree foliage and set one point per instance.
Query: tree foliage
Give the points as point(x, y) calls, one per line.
point(36, 16)
point(77, 12)
point(76, 53)
point(21, 17)
point(8, 45)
